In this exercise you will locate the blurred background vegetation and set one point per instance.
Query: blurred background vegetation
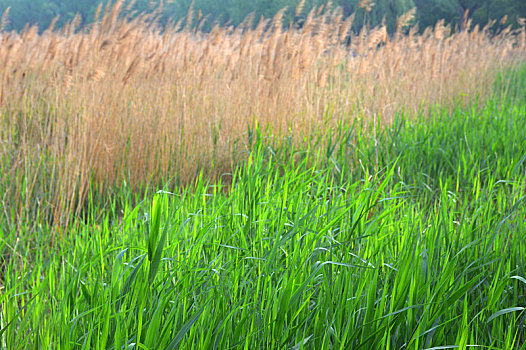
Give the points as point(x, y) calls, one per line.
point(210, 12)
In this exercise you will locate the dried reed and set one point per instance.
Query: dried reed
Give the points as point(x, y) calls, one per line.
point(123, 101)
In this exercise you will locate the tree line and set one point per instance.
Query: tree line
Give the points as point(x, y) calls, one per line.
point(42, 13)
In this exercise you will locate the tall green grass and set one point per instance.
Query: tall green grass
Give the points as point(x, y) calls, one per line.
point(411, 238)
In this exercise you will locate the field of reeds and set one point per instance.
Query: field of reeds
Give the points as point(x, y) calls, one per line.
point(86, 110)
point(300, 187)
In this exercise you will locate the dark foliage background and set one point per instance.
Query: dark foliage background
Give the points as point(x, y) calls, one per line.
point(428, 12)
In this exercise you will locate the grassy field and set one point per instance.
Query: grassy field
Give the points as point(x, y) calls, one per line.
point(366, 202)
point(412, 239)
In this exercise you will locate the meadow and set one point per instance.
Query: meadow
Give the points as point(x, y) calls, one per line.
point(262, 187)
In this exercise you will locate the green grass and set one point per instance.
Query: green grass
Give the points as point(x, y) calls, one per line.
point(414, 239)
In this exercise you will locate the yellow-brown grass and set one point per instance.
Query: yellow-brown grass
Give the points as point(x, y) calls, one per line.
point(123, 101)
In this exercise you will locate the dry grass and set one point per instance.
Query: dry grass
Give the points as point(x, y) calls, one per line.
point(122, 100)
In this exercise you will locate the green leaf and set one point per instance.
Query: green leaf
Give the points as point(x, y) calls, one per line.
point(184, 329)
point(503, 312)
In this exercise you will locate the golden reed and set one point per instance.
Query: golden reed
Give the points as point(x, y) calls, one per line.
point(122, 100)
